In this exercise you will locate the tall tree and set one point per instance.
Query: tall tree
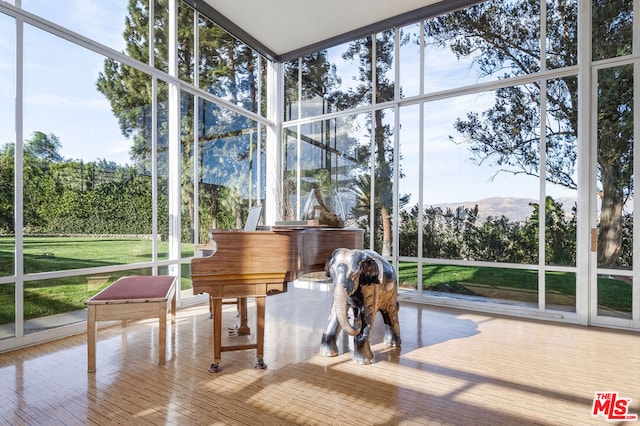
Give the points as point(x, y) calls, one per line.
point(362, 50)
point(227, 69)
point(503, 37)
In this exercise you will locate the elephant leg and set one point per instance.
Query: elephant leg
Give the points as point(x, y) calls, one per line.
point(328, 345)
point(391, 326)
point(362, 353)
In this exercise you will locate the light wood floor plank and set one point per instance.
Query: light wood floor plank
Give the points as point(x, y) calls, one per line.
point(454, 368)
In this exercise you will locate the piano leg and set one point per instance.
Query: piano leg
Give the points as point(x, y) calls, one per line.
point(260, 311)
point(242, 328)
point(216, 307)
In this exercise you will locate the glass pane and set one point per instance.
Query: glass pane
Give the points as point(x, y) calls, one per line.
point(162, 158)
point(291, 92)
point(481, 180)
point(612, 28)
point(561, 172)
point(615, 294)
point(337, 79)
point(614, 167)
point(560, 293)
point(407, 276)
point(187, 198)
point(7, 255)
point(326, 172)
point(161, 35)
point(229, 69)
point(490, 41)
point(383, 184)
point(385, 68)
point(45, 254)
point(77, 179)
point(7, 143)
point(228, 145)
point(186, 43)
point(482, 284)
point(410, 61)
point(562, 34)
point(101, 20)
point(7, 310)
point(408, 187)
point(58, 302)
point(289, 200)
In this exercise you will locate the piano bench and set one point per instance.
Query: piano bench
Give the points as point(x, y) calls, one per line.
point(132, 298)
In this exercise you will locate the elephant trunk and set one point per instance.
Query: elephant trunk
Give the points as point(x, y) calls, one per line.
point(340, 297)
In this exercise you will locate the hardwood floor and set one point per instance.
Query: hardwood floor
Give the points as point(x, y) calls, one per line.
point(454, 367)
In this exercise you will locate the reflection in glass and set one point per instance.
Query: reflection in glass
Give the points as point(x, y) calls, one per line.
point(229, 69)
point(332, 158)
point(337, 79)
point(615, 166)
point(482, 284)
point(230, 145)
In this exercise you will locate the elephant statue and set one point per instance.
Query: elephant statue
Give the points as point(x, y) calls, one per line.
point(365, 282)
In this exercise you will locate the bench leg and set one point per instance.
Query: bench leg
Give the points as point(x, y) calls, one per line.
point(91, 338)
point(162, 329)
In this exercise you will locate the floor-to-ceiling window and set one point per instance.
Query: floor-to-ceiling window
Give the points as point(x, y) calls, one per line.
point(121, 145)
point(465, 163)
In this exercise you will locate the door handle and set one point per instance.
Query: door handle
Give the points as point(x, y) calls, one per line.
point(594, 239)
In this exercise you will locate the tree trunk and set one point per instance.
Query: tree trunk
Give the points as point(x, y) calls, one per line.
point(386, 231)
point(610, 227)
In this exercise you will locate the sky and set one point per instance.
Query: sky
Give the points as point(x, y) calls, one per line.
point(61, 98)
point(60, 80)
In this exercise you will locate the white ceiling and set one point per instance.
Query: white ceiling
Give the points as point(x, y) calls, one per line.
point(284, 26)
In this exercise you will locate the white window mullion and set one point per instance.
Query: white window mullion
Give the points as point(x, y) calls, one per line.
point(635, 294)
point(18, 181)
point(585, 258)
point(174, 144)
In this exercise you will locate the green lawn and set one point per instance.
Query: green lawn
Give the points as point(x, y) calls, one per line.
point(614, 294)
point(44, 254)
point(47, 297)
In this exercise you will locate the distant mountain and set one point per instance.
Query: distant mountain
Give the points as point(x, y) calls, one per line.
point(515, 209)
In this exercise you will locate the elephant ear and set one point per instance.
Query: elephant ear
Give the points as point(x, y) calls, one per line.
point(372, 271)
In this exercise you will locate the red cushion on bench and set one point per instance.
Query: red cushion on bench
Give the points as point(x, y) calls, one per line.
point(136, 287)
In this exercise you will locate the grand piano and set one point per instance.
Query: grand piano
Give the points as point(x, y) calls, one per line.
point(255, 264)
